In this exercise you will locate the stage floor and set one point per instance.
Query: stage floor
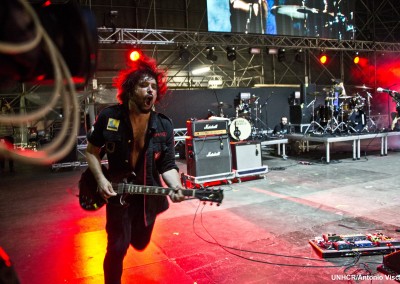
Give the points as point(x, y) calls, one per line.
point(259, 234)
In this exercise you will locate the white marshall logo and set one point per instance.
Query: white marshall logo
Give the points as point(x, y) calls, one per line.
point(211, 126)
point(215, 154)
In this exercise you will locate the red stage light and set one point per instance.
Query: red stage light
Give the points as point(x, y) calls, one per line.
point(323, 58)
point(134, 55)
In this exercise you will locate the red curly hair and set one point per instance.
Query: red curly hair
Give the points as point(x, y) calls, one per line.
point(128, 78)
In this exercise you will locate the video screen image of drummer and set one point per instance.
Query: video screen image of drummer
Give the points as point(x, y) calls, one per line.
point(309, 18)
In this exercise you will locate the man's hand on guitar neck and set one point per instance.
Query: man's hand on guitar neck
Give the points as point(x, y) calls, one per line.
point(172, 179)
point(176, 195)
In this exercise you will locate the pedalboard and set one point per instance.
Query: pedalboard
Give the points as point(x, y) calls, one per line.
point(333, 245)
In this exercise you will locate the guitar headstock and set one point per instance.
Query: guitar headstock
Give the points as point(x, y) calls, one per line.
point(210, 195)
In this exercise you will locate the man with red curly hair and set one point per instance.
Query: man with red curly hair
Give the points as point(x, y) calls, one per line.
point(139, 144)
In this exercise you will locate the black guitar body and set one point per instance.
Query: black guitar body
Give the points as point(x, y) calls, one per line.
point(89, 198)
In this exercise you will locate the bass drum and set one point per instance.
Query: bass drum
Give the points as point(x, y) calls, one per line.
point(240, 129)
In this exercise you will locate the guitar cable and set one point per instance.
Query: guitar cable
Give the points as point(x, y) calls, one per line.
point(228, 250)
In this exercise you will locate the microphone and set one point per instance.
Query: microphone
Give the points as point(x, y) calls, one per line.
point(384, 90)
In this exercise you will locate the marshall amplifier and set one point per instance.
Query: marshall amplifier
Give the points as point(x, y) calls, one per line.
point(198, 128)
point(208, 156)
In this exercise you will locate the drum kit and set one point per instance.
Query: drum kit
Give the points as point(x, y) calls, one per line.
point(246, 122)
point(314, 18)
point(341, 112)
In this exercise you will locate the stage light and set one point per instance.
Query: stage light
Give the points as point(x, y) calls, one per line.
point(323, 58)
point(134, 55)
point(356, 58)
point(272, 50)
point(281, 55)
point(183, 52)
point(201, 70)
point(231, 53)
point(254, 50)
point(299, 56)
point(210, 55)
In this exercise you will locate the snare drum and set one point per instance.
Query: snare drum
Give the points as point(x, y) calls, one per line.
point(240, 129)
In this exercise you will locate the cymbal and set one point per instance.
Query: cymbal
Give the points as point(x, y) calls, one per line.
point(330, 98)
point(327, 89)
point(293, 11)
point(221, 105)
point(307, 10)
point(345, 97)
point(363, 87)
point(314, 93)
point(253, 99)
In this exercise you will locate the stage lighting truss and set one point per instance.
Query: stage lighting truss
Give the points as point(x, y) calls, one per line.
point(215, 82)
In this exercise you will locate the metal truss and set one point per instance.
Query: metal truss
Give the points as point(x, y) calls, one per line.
point(170, 37)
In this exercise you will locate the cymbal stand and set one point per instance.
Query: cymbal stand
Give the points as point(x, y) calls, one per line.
point(257, 120)
point(313, 122)
point(342, 123)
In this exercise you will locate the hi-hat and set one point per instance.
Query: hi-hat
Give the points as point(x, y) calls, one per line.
point(363, 87)
point(345, 97)
point(221, 105)
point(314, 93)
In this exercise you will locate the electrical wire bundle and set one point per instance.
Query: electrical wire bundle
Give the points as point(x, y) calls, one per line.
point(64, 89)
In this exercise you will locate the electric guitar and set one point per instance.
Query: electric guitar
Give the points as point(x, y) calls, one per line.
point(90, 199)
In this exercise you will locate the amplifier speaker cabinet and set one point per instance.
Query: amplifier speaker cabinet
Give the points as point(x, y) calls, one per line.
point(246, 155)
point(208, 156)
point(299, 115)
point(247, 158)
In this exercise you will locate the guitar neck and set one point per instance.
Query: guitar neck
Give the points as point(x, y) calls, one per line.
point(125, 188)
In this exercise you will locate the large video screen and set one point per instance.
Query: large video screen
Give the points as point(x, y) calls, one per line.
point(332, 19)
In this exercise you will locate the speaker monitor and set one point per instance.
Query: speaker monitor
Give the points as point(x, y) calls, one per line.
point(246, 155)
point(208, 156)
point(299, 115)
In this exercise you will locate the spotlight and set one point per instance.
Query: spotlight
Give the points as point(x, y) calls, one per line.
point(201, 70)
point(254, 50)
point(356, 58)
point(231, 53)
point(210, 55)
point(299, 56)
point(183, 52)
point(323, 58)
point(135, 55)
point(272, 50)
point(281, 55)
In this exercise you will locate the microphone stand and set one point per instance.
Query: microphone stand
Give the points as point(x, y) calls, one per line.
point(369, 119)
